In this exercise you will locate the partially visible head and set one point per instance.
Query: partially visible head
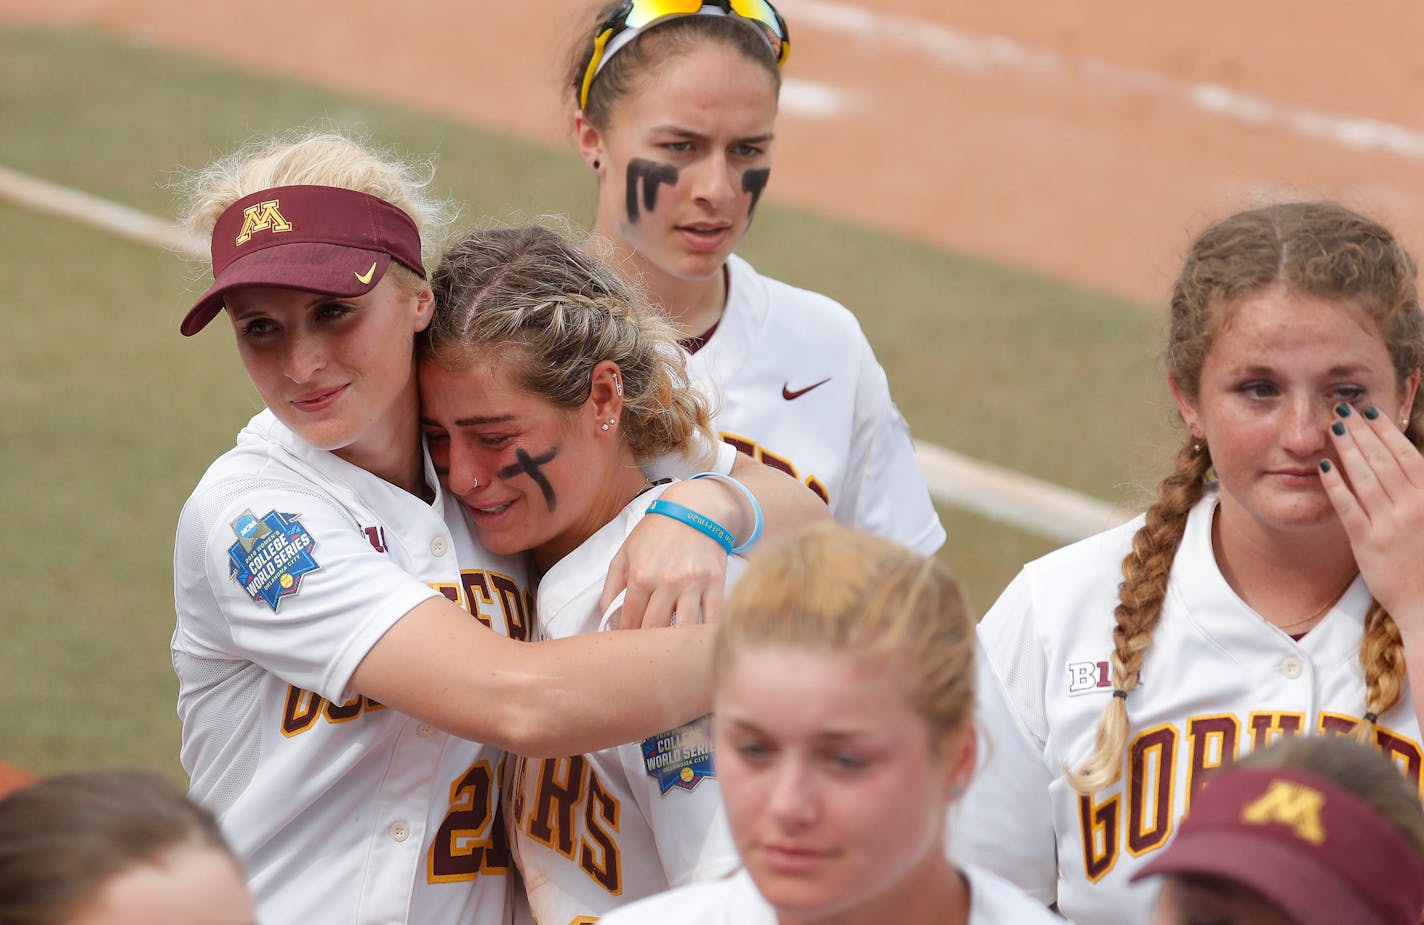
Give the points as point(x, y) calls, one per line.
point(677, 124)
point(539, 348)
point(1311, 831)
point(615, 59)
point(115, 848)
point(317, 258)
point(844, 693)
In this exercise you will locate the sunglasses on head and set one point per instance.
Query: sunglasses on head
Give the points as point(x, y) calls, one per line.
point(630, 18)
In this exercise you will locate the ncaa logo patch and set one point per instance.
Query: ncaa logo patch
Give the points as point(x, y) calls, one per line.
point(680, 757)
point(271, 555)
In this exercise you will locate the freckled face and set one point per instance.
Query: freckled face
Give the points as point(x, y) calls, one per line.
point(687, 155)
point(834, 792)
point(1269, 385)
point(536, 464)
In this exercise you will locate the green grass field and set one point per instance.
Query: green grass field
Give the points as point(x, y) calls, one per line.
point(108, 416)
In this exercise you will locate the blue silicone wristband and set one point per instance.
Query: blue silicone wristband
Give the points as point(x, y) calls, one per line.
point(758, 521)
point(683, 514)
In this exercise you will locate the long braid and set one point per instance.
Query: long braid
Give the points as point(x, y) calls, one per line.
point(1382, 658)
point(1382, 646)
point(1146, 570)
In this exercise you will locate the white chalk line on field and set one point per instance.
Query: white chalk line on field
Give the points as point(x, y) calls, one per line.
point(986, 53)
point(998, 494)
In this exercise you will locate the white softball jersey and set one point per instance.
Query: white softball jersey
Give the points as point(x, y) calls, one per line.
point(1217, 682)
point(735, 901)
point(593, 832)
point(797, 386)
point(290, 564)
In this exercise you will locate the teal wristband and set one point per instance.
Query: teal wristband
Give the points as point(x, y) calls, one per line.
point(683, 514)
point(758, 521)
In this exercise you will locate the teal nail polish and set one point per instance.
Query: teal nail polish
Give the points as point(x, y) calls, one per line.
point(1371, 412)
point(1338, 429)
point(1325, 465)
point(1343, 410)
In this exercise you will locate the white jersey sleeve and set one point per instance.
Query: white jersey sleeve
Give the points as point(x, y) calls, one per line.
point(591, 832)
point(885, 491)
point(689, 826)
point(995, 901)
point(289, 581)
point(1005, 819)
point(797, 387)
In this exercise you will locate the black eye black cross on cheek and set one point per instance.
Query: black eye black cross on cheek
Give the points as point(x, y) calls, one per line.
point(652, 175)
point(532, 467)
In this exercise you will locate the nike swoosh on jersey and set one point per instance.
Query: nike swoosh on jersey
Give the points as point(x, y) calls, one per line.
point(365, 278)
point(789, 395)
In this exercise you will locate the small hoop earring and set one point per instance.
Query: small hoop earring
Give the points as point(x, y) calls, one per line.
point(474, 483)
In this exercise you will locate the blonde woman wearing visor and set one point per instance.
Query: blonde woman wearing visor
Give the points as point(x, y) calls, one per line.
point(348, 655)
point(675, 111)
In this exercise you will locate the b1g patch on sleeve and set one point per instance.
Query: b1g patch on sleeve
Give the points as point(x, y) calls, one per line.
point(680, 757)
point(271, 555)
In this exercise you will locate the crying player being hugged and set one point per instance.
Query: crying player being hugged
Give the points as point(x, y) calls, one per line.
point(1273, 588)
point(546, 379)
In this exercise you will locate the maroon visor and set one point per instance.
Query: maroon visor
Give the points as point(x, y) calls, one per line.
point(1315, 850)
point(320, 239)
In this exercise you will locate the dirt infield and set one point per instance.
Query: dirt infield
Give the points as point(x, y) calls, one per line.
point(1085, 140)
point(12, 778)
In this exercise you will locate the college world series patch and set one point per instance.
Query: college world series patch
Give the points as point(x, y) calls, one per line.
point(680, 757)
point(271, 555)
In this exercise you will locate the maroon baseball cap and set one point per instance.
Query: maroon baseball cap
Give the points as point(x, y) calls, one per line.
point(1315, 850)
point(315, 238)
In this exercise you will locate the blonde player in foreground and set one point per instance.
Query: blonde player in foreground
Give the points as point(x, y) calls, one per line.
point(676, 105)
point(1274, 588)
point(1314, 830)
point(544, 378)
point(844, 730)
point(349, 658)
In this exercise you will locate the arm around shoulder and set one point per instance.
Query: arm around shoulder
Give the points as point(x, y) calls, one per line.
point(542, 699)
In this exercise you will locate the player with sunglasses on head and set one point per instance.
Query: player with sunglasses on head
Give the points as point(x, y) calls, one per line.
point(348, 655)
point(676, 104)
point(1273, 588)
